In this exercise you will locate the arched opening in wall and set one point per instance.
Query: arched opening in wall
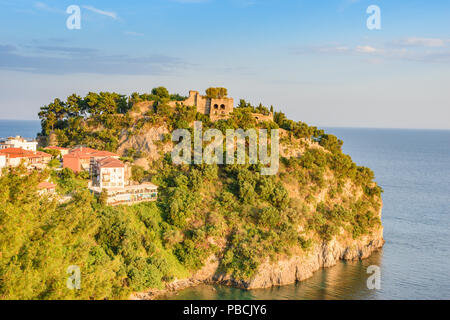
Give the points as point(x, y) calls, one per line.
point(223, 112)
point(222, 106)
point(216, 106)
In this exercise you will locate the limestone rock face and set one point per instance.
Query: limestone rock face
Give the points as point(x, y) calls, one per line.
point(150, 143)
point(298, 268)
point(204, 275)
point(283, 272)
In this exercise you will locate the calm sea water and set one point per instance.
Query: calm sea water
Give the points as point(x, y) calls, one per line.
point(413, 168)
point(24, 128)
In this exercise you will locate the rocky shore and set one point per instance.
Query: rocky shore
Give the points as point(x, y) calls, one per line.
point(283, 272)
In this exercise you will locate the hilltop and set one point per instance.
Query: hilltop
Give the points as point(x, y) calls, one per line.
point(222, 223)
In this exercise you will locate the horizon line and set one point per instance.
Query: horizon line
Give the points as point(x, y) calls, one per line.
point(318, 126)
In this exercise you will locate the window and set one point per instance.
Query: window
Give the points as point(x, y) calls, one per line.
point(222, 106)
point(216, 106)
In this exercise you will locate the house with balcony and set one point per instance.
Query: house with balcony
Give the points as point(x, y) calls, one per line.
point(109, 176)
point(108, 173)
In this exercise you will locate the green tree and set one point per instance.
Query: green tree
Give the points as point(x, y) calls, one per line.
point(40, 239)
point(137, 173)
point(161, 92)
point(103, 198)
point(216, 93)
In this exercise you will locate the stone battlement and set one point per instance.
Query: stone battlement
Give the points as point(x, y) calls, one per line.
point(216, 108)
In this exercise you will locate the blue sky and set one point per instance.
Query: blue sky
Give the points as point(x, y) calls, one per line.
point(315, 60)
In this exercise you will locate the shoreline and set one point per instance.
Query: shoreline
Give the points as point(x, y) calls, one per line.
point(284, 272)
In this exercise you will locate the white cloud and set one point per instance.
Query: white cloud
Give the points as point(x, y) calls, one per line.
point(366, 49)
point(102, 12)
point(43, 6)
point(321, 50)
point(339, 49)
point(423, 42)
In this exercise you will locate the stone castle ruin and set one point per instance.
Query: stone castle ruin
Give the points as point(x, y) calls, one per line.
point(216, 108)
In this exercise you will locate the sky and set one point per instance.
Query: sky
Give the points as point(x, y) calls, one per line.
point(317, 61)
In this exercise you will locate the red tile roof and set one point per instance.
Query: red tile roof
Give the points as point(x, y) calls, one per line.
point(110, 163)
point(40, 154)
point(56, 148)
point(46, 185)
point(83, 152)
point(22, 153)
point(16, 153)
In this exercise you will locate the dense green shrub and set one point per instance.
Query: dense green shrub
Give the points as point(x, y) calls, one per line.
point(231, 211)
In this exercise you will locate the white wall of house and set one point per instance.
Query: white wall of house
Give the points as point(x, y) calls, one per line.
point(112, 177)
point(2, 161)
point(19, 142)
point(14, 162)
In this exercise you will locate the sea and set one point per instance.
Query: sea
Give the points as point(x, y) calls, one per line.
point(413, 168)
point(25, 128)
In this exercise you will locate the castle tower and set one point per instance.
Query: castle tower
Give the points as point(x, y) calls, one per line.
point(216, 108)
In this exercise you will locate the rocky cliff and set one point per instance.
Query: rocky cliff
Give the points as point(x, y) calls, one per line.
point(301, 267)
point(149, 143)
point(283, 272)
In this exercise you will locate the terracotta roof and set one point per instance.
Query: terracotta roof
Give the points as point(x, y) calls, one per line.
point(40, 154)
point(83, 152)
point(16, 153)
point(110, 163)
point(46, 185)
point(104, 154)
point(56, 148)
point(22, 153)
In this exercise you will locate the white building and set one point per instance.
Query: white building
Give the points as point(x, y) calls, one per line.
point(109, 176)
point(109, 173)
point(2, 161)
point(19, 142)
point(128, 195)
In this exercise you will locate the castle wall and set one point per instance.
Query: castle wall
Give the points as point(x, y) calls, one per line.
point(221, 108)
point(215, 108)
point(259, 117)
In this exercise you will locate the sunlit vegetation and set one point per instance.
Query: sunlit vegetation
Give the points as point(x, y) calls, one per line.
point(231, 211)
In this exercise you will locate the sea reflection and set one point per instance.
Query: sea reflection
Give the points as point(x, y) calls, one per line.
point(346, 280)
